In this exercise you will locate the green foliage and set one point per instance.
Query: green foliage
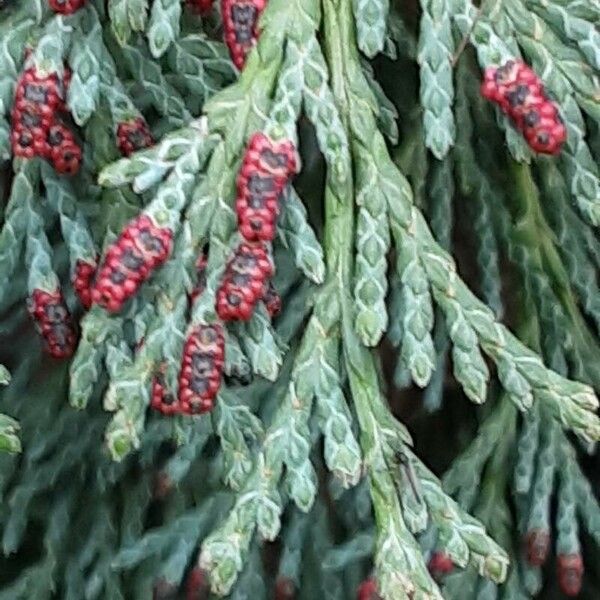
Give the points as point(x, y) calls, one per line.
point(412, 192)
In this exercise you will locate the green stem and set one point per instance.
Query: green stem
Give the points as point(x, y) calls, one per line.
point(339, 233)
point(339, 199)
point(379, 430)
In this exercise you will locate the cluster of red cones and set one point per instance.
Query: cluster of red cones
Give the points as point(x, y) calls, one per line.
point(569, 567)
point(267, 168)
point(520, 93)
point(36, 127)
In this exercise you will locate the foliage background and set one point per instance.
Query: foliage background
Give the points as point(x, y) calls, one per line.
point(77, 524)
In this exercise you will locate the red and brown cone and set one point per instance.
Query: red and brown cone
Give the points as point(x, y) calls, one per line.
point(367, 590)
point(45, 91)
point(570, 573)
point(196, 585)
point(537, 546)
point(36, 130)
point(240, 25)
point(440, 564)
point(63, 151)
point(285, 589)
point(266, 169)
point(272, 301)
point(244, 282)
point(83, 277)
point(65, 7)
point(161, 399)
point(133, 135)
point(53, 322)
point(201, 369)
point(202, 7)
point(140, 249)
point(519, 92)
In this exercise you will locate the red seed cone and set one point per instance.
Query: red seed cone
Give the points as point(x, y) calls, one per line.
point(30, 124)
point(240, 25)
point(440, 564)
point(285, 589)
point(82, 281)
point(202, 7)
point(62, 149)
point(65, 7)
point(53, 322)
point(266, 169)
point(162, 399)
point(23, 142)
point(133, 135)
point(519, 92)
point(201, 368)
point(130, 260)
point(570, 573)
point(272, 301)
point(538, 546)
point(37, 99)
point(35, 128)
point(196, 585)
point(367, 590)
point(46, 91)
point(244, 282)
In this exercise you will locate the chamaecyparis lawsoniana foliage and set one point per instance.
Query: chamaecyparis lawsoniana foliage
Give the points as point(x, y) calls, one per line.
point(421, 245)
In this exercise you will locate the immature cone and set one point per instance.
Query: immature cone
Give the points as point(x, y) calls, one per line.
point(570, 573)
point(133, 135)
point(82, 281)
point(66, 7)
point(53, 322)
point(240, 24)
point(266, 169)
point(202, 7)
point(440, 564)
point(367, 590)
point(162, 399)
point(244, 282)
point(285, 589)
point(201, 369)
point(200, 283)
point(519, 92)
point(272, 301)
point(538, 546)
point(196, 585)
point(129, 262)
